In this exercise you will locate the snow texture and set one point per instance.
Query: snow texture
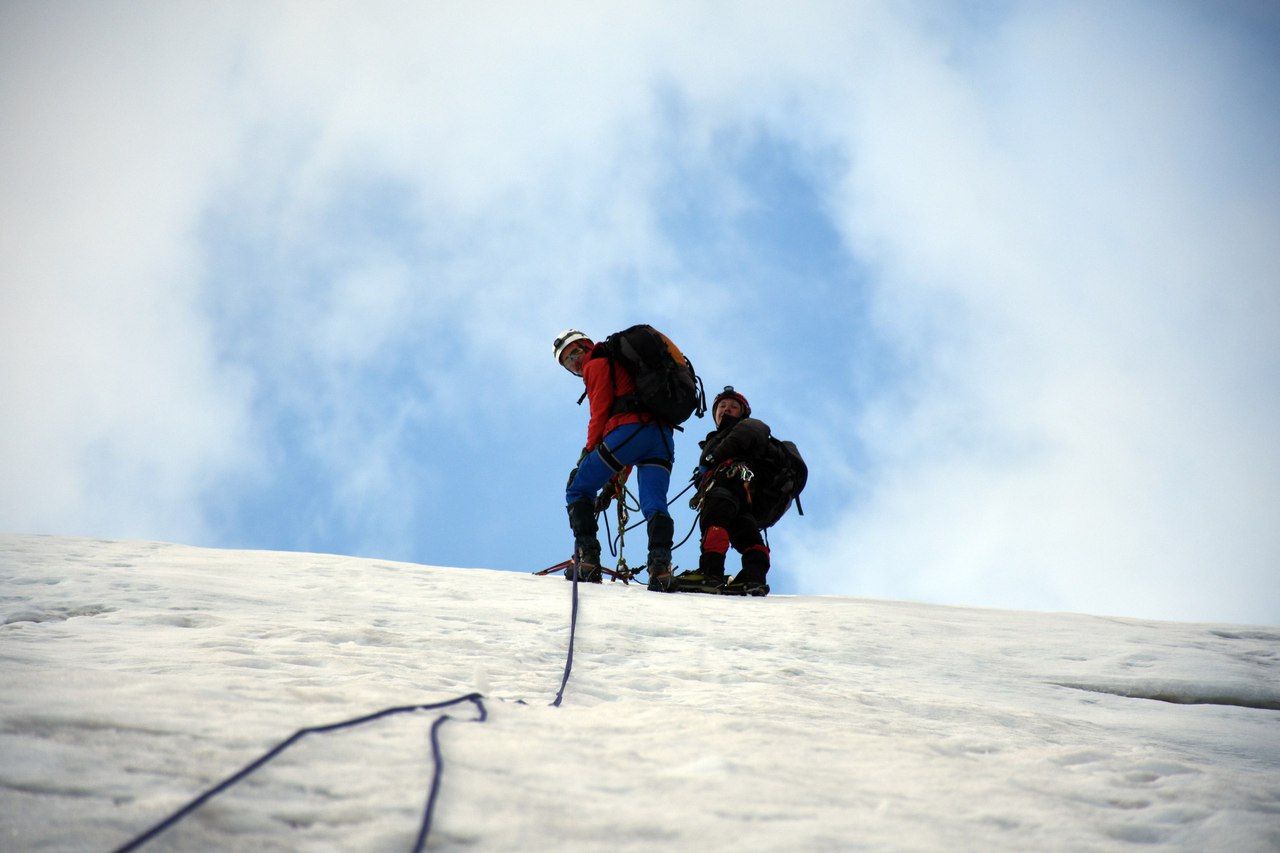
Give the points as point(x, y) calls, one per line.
point(133, 676)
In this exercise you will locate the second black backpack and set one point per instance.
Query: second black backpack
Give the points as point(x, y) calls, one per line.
point(785, 479)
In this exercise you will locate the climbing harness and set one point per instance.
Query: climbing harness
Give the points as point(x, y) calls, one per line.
point(739, 471)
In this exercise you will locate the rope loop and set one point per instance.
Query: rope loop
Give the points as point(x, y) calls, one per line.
point(428, 815)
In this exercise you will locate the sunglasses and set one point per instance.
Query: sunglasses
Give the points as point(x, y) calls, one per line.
point(572, 358)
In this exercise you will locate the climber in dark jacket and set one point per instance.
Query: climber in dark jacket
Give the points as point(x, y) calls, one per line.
point(731, 455)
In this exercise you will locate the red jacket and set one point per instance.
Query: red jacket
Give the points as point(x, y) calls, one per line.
point(601, 394)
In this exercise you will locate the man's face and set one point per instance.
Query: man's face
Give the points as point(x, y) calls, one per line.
point(572, 357)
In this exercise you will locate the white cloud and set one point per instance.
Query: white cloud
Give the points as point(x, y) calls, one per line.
point(110, 381)
point(379, 214)
point(1093, 416)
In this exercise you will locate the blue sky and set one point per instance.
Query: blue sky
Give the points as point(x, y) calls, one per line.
point(1006, 272)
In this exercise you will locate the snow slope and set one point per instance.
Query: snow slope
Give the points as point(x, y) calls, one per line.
point(135, 675)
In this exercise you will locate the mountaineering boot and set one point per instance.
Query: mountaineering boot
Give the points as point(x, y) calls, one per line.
point(751, 580)
point(586, 547)
point(661, 532)
point(708, 577)
point(711, 564)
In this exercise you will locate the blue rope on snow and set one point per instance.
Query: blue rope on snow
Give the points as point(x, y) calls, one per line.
point(474, 698)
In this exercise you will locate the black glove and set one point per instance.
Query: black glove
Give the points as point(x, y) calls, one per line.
point(574, 472)
point(611, 490)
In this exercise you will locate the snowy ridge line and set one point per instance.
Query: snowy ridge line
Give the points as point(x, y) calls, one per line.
point(845, 722)
point(425, 828)
point(1182, 693)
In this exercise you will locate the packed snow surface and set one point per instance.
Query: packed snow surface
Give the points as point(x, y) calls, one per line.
point(134, 676)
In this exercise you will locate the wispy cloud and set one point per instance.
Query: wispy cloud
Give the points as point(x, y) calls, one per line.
point(115, 411)
point(1070, 238)
point(276, 278)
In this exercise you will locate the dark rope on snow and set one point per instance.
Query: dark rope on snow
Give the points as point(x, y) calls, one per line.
point(573, 629)
point(420, 844)
point(428, 815)
point(475, 698)
point(573, 617)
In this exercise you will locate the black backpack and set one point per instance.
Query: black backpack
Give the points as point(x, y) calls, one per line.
point(666, 384)
point(785, 474)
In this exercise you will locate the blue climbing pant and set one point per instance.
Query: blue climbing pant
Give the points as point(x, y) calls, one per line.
point(648, 447)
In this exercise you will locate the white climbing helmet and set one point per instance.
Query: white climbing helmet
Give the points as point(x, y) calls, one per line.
point(562, 341)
